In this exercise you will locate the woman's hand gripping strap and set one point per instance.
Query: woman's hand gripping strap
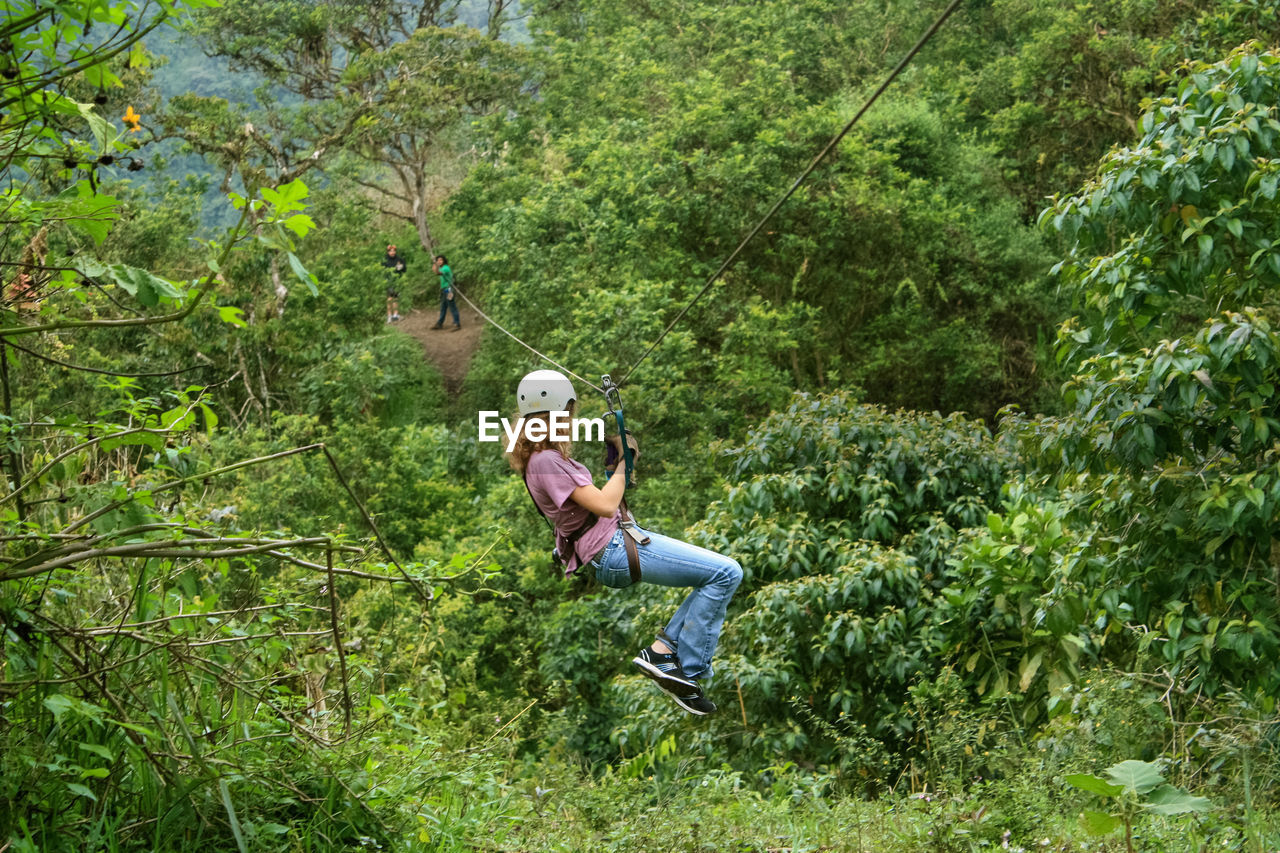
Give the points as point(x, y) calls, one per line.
point(613, 400)
point(633, 536)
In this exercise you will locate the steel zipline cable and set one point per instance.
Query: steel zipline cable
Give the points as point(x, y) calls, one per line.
point(500, 328)
point(733, 256)
point(835, 140)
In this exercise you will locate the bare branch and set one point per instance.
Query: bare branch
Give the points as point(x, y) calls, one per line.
point(182, 549)
point(84, 369)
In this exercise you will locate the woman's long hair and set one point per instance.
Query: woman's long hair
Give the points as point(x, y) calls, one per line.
point(524, 448)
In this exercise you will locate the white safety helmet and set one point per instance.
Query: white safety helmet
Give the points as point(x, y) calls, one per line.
point(545, 391)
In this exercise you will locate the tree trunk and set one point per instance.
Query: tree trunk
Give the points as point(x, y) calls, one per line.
point(420, 221)
point(15, 462)
point(282, 292)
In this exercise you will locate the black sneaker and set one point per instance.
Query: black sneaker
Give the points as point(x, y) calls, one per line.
point(694, 702)
point(665, 670)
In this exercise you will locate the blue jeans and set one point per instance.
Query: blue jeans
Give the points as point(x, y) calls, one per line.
point(447, 304)
point(695, 629)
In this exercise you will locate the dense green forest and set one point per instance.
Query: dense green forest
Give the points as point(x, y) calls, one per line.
point(989, 413)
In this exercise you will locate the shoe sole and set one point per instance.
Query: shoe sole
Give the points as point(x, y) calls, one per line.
point(680, 700)
point(662, 678)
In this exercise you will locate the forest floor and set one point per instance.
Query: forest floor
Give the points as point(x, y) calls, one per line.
point(450, 351)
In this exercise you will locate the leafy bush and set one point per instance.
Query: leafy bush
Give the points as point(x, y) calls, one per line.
point(401, 474)
point(829, 471)
point(384, 379)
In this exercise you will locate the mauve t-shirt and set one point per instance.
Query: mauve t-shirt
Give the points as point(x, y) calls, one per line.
point(552, 479)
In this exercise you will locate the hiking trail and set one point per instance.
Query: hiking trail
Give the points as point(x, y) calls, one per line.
point(448, 350)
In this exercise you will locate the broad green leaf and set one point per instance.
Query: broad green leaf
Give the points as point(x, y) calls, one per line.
point(1168, 800)
point(1227, 156)
point(59, 704)
point(98, 749)
point(90, 268)
point(232, 314)
point(139, 57)
point(299, 224)
point(177, 418)
point(81, 790)
point(303, 276)
point(1099, 823)
point(90, 211)
point(277, 241)
point(1027, 670)
point(1094, 785)
point(148, 289)
point(1138, 777)
point(210, 419)
point(286, 198)
point(103, 133)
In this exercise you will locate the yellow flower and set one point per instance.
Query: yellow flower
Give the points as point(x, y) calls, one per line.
point(132, 119)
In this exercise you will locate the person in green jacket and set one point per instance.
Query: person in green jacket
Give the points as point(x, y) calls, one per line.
point(447, 302)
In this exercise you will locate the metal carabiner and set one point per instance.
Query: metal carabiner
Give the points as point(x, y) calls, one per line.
point(613, 400)
point(612, 394)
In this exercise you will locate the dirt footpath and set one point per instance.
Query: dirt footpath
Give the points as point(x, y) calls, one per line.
point(450, 351)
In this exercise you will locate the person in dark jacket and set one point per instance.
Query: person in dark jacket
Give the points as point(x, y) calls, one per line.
point(395, 265)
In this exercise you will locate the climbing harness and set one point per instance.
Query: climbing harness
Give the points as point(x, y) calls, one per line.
point(587, 523)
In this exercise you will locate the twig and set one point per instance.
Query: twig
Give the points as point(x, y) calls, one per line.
point(333, 463)
point(81, 367)
point(164, 620)
point(203, 289)
point(181, 549)
point(337, 643)
point(82, 446)
point(510, 721)
point(175, 484)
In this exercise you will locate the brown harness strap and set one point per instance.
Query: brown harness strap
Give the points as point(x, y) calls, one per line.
point(630, 539)
point(633, 557)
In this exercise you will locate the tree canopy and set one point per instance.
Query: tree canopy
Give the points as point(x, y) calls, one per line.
point(988, 414)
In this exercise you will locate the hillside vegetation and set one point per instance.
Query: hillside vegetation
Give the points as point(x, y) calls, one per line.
point(988, 413)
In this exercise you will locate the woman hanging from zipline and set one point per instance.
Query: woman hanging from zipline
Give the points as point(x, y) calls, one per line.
point(589, 530)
